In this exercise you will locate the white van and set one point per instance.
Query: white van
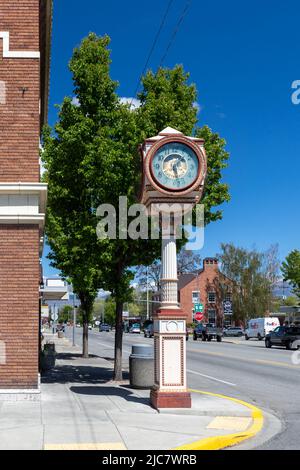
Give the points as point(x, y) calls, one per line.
point(259, 327)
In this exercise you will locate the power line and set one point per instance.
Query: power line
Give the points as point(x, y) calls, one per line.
point(175, 31)
point(153, 47)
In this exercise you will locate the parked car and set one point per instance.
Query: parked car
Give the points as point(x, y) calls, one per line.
point(135, 328)
point(104, 327)
point(90, 327)
point(198, 330)
point(286, 336)
point(260, 327)
point(211, 331)
point(149, 331)
point(233, 331)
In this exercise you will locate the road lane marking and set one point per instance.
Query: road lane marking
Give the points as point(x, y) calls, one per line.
point(210, 377)
point(254, 361)
point(112, 347)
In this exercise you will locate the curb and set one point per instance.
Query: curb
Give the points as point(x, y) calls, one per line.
point(228, 440)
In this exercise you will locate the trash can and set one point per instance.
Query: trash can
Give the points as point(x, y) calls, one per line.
point(141, 366)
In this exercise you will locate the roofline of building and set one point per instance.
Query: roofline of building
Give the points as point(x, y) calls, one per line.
point(200, 272)
point(46, 8)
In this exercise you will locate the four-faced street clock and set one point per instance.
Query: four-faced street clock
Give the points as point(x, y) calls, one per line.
point(174, 168)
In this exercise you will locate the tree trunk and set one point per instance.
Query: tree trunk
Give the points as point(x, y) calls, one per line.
point(85, 337)
point(86, 304)
point(118, 373)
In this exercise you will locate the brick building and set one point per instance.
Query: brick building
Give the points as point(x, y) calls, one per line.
point(25, 30)
point(209, 287)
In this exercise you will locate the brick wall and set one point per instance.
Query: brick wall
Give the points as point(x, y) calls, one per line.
point(19, 305)
point(19, 116)
point(19, 162)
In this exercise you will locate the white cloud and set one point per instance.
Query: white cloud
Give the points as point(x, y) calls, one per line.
point(133, 102)
point(75, 101)
point(197, 106)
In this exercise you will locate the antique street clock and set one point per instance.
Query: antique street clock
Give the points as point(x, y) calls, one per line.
point(174, 171)
point(174, 168)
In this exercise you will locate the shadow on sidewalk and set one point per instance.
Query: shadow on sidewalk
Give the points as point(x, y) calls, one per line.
point(79, 374)
point(72, 356)
point(110, 391)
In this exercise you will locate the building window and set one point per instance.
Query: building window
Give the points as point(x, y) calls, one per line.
point(211, 316)
point(228, 297)
point(211, 297)
point(196, 297)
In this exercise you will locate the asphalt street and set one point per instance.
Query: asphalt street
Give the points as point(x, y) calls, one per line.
point(235, 367)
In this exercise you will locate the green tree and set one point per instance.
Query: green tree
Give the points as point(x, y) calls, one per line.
point(98, 309)
point(254, 274)
point(187, 262)
point(110, 311)
point(291, 270)
point(92, 158)
point(65, 313)
point(291, 301)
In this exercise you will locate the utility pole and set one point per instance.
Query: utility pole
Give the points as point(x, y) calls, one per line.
point(148, 315)
point(74, 320)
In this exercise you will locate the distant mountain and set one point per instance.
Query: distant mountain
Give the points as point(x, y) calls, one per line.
point(282, 289)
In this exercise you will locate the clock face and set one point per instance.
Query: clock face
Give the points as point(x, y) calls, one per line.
point(175, 166)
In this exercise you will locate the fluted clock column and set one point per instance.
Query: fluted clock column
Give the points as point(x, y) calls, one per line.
point(170, 388)
point(169, 280)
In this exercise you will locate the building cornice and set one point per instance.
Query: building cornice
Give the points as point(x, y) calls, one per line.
point(39, 189)
point(38, 219)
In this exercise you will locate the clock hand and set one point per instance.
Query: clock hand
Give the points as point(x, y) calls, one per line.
point(175, 169)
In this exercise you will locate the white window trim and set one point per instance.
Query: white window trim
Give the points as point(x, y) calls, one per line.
point(7, 54)
point(198, 295)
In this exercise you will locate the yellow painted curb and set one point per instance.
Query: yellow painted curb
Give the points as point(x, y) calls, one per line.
point(228, 440)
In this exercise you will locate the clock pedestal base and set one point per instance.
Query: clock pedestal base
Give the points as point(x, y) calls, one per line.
point(170, 399)
point(170, 387)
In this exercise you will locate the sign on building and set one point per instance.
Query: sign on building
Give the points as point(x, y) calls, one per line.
point(227, 305)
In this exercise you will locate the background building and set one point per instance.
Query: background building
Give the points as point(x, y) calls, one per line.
point(25, 28)
point(211, 288)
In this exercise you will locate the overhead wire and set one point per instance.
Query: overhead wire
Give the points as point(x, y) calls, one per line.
point(175, 31)
point(164, 18)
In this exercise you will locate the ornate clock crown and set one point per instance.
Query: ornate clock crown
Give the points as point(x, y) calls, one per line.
point(155, 191)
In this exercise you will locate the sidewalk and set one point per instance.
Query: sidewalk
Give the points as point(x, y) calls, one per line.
point(81, 408)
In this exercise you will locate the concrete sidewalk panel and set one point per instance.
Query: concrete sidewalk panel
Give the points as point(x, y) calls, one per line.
point(136, 438)
point(22, 438)
point(20, 413)
point(188, 425)
point(81, 433)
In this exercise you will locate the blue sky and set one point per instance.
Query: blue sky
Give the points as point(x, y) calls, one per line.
point(243, 58)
